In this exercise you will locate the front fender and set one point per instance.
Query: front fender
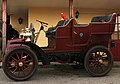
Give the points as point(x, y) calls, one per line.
point(38, 51)
point(11, 44)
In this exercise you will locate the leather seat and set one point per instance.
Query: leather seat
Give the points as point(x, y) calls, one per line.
point(50, 33)
point(101, 18)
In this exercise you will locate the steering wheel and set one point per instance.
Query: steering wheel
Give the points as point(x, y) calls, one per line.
point(42, 22)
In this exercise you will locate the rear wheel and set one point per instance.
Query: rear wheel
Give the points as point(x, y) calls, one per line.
point(98, 61)
point(20, 63)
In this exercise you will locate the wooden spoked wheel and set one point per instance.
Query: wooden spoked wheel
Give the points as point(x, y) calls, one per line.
point(98, 61)
point(20, 63)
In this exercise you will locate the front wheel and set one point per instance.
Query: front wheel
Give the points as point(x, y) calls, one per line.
point(20, 63)
point(98, 61)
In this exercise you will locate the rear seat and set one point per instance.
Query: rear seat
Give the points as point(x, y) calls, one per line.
point(106, 18)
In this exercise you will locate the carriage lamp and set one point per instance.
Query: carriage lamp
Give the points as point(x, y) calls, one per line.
point(20, 20)
point(77, 14)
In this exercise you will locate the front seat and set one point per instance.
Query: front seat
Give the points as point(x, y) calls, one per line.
point(51, 29)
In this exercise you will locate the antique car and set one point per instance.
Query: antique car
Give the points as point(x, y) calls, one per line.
point(68, 42)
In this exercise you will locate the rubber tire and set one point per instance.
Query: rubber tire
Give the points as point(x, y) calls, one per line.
point(5, 60)
point(86, 64)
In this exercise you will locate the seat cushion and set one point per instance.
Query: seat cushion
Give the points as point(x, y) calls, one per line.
point(101, 18)
point(50, 33)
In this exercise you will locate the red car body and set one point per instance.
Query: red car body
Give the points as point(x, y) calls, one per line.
point(76, 37)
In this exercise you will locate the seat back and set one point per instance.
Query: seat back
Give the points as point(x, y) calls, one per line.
point(60, 23)
point(106, 27)
point(106, 18)
point(66, 21)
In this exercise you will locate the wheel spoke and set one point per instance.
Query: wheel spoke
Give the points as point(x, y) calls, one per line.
point(18, 71)
point(104, 65)
point(94, 67)
point(93, 56)
point(12, 67)
point(91, 60)
point(17, 56)
point(21, 54)
point(23, 71)
point(99, 52)
point(101, 67)
point(11, 62)
point(26, 57)
point(13, 58)
point(100, 56)
point(103, 53)
point(27, 65)
point(15, 69)
point(98, 69)
point(28, 61)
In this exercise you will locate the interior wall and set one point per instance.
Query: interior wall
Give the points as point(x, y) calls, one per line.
point(52, 16)
point(14, 21)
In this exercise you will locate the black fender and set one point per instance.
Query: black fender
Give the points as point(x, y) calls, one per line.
point(38, 51)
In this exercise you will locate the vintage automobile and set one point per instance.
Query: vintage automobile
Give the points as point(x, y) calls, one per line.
point(68, 42)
